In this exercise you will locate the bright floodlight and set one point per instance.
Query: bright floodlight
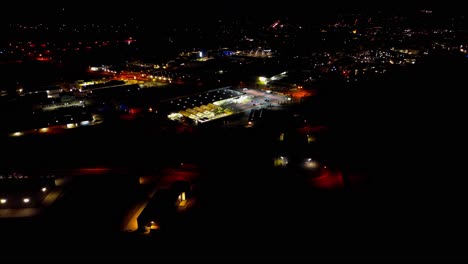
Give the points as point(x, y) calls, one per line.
point(17, 134)
point(3, 201)
point(263, 79)
point(44, 189)
point(26, 200)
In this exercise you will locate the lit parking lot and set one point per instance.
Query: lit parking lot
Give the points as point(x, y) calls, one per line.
point(222, 102)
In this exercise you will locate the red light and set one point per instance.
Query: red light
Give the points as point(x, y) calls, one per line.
point(93, 171)
point(328, 180)
point(134, 111)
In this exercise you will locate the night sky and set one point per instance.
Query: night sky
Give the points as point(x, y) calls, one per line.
point(173, 11)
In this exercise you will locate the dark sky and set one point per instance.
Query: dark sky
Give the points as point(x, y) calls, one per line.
point(110, 11)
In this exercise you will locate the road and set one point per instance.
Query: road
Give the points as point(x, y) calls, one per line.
point(129, 220)
point(54, 194)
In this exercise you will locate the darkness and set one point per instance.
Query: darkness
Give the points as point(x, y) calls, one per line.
point(404, 134)
point(404, 131)
point(176, 11)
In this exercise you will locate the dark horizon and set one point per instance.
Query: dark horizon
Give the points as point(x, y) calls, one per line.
point(173, 11)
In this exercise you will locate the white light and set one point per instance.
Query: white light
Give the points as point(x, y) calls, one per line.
point(71, 125)
point(84, 123)
point(26, 200)
point(17, 134)
point(44, 189)
point(263, 79)
point(310, 164)
point(3, 201)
